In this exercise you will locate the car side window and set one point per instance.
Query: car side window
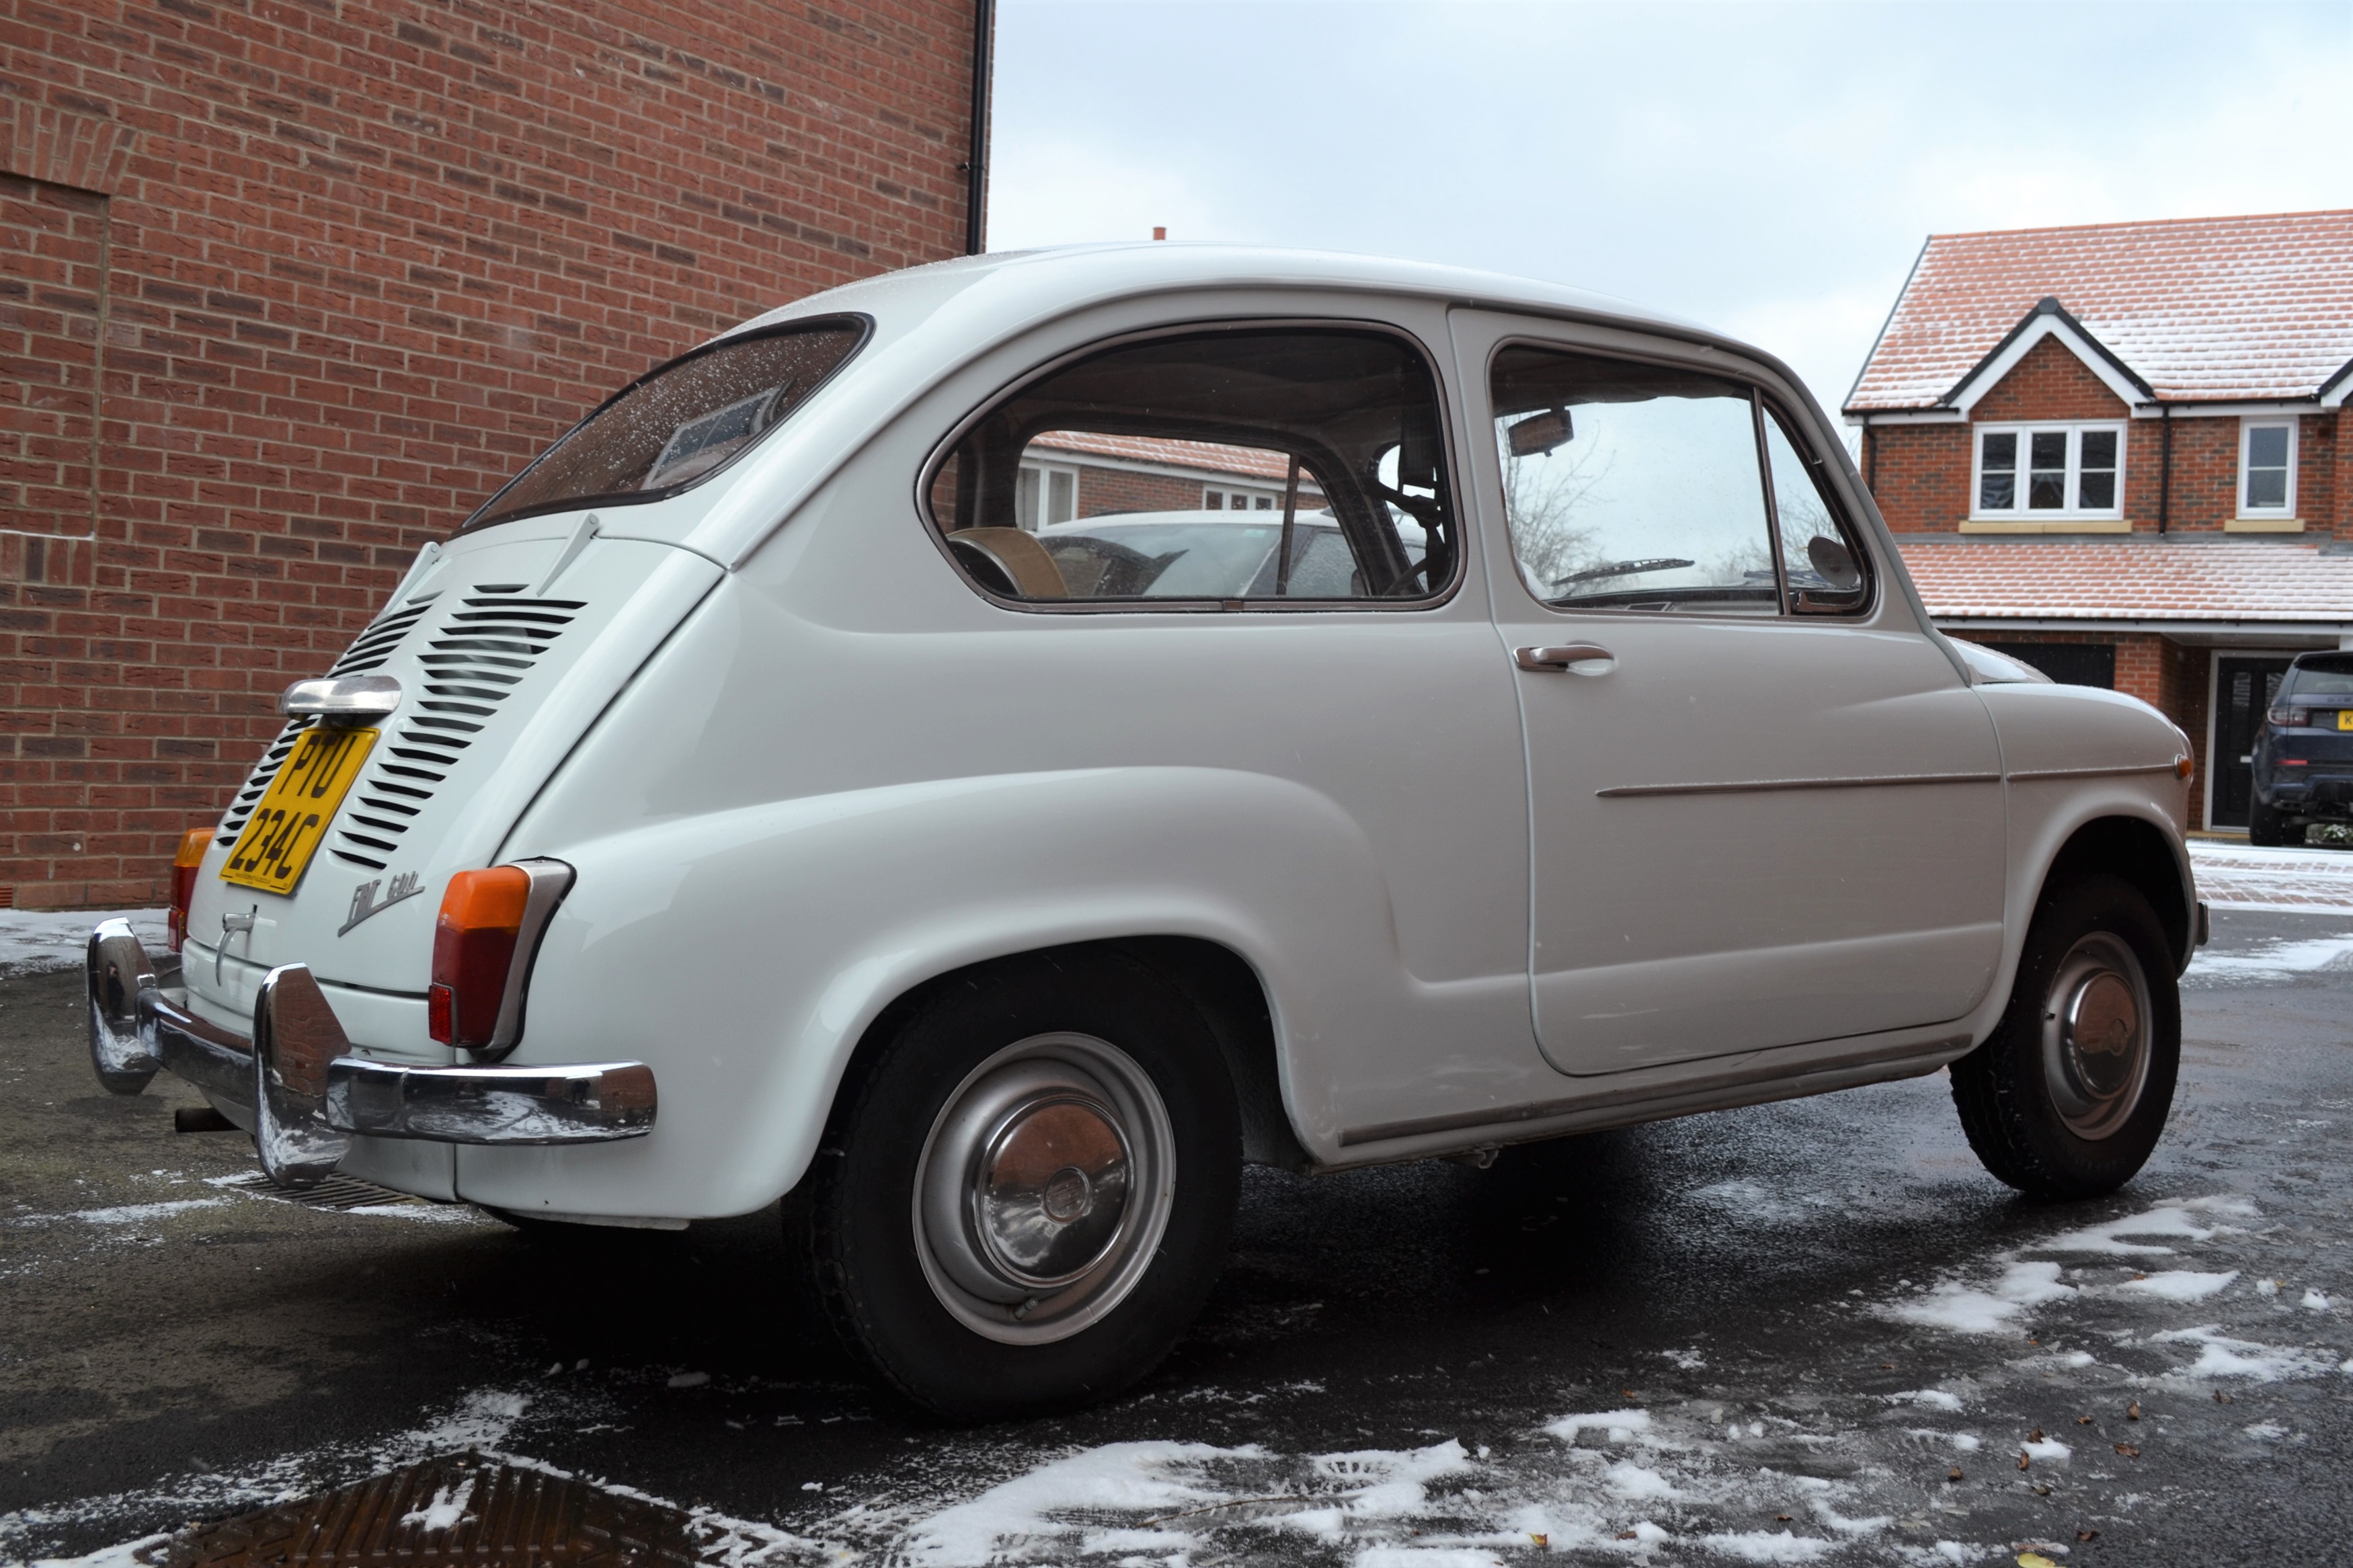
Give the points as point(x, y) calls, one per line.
point(1236, 467)
point(1638, 487)
point(1827, 573)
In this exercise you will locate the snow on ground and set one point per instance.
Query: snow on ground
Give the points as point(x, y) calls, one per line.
point(1733, 1474)
point(2270, 962)
point(2234, 875)
point(2180, 1284)
point(33, 941)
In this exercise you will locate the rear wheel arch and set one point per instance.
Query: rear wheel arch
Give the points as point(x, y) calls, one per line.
point(2142, 855)
point(1224, 989)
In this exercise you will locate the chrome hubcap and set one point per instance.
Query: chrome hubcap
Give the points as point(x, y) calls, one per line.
point(2095, 1032)
point(1043, 1188)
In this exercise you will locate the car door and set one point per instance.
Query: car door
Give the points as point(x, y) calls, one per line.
point(1765, 810)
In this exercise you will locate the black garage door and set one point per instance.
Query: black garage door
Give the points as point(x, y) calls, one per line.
point(2068, 663)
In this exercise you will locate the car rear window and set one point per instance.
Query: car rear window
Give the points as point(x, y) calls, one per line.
point(679, 424)
point(2332, 679)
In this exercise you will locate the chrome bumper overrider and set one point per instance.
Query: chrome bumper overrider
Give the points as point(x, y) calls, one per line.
point(308, 1095)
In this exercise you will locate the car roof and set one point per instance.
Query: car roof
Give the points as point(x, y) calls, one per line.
point(925, 321)
point(1106, 270)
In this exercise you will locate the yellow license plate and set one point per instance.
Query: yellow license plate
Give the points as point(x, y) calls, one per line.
point(286, 829)
point(2344, 717)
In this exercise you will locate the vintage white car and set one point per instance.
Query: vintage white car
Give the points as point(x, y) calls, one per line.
point(745, 803)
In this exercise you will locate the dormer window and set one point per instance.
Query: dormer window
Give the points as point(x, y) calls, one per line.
point(2268, 467)
point(2036, 472)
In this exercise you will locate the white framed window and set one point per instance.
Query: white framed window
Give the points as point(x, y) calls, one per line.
point(1044, 494)
point(2027, 472)
point(2268, 467)
point(1242, 500)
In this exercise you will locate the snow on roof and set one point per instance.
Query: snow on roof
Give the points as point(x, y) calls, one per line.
point(2204, 310)
point(2111, 579)
point(1248, 462)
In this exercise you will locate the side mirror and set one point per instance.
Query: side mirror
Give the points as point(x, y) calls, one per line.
point(1540, 433)
point(1833, 561)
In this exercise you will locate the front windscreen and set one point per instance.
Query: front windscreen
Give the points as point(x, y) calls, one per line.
point(681, 423)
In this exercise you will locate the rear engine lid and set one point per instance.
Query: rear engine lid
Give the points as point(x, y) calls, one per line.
point(507, 646)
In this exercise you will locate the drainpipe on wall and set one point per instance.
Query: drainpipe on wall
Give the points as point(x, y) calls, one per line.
point(2165, 467)
point(976, 212)
point(1870, 461)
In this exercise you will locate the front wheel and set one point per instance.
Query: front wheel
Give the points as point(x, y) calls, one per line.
point(2068, 1097)
point(1028, 1188)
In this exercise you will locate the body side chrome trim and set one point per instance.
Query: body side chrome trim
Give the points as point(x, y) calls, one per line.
point(2117, 769)
point(1759, 786)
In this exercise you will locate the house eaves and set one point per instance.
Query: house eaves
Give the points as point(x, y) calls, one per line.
point(2332, 391)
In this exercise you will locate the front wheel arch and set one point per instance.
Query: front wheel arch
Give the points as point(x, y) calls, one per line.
point(2140, 854)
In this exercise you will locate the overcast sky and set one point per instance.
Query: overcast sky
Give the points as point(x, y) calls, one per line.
point(1770, 169)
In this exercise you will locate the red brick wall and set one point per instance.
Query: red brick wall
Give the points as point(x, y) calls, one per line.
point(360, 261)
point(2050, 383)
point(2325, 477)
point(1106, 490)
point(1102, 490)
point(1919, 475)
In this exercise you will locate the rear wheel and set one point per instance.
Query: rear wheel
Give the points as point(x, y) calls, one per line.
point(2068, 1097)
point(2268, 827)
point(1028, 1189)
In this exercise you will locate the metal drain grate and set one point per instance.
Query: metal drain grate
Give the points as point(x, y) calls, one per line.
point(458, 1511)
point(339, 1193)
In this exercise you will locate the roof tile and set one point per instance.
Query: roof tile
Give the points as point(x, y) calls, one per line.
point(2120, 580)
point(2206, 310)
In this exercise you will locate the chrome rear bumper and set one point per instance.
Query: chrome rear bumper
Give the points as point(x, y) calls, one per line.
point(308, 1096)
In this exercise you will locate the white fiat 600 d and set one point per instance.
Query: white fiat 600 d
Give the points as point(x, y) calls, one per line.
point(832, 770)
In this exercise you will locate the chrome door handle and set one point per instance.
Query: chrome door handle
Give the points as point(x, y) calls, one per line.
point(1575, 658)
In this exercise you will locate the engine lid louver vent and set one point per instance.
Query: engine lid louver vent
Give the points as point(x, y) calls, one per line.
point(479, 658)
point(368, 651)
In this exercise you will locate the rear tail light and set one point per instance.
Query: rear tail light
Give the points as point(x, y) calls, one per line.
point(2291, 717)
point(186, 861)
point(483, 945)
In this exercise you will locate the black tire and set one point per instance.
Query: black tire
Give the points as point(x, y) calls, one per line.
point(2009, 1089)
point(878, 1274)
point(2267, 827)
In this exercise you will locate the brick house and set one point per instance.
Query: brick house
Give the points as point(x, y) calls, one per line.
point(2123, 452)
point(287, 288)
point(1070, 474)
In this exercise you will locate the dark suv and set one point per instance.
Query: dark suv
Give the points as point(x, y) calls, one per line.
point(2303, 753)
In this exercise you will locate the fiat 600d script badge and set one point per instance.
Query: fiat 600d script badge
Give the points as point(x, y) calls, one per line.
point(1138, 710)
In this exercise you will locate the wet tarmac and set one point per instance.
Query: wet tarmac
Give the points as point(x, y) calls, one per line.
point(1806, 1333)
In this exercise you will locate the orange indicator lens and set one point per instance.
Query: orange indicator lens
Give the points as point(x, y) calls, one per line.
point(473, 949)
point(186, 861)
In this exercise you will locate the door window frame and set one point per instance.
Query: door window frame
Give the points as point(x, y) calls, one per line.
point(1762, 405)
point(1465, 527)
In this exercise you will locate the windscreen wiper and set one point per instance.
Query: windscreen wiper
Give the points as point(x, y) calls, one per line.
point(1623, 569)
